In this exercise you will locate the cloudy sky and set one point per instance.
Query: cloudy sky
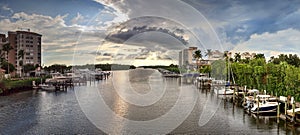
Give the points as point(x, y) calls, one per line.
point(151, 32)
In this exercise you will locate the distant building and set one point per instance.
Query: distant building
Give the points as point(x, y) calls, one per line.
point(244, 55)
point(186, 58)
point(215, 55)
point(247, 55)
point(27, 41)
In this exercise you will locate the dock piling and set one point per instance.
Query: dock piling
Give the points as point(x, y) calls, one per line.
point(258, 105)
point(293, 106)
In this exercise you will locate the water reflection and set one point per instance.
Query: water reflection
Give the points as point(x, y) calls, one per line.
point(40, 112)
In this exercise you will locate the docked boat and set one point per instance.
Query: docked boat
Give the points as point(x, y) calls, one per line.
point(292, 112)
point(47, 87)
point(224, 91)
point(264, 105)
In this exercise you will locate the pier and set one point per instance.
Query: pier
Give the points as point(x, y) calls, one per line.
point(287, 109)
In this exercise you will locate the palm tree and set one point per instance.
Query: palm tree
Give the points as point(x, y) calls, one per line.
point(21, 58)
point(209, 53)
point(197, 55)
point(7, 48)
point(259, 56)
point(226, 55)
point(237, 57)
point(2, 55)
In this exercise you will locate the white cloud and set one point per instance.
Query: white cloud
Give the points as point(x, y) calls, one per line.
point(59, 39)
point(113, 7)
point(284, 41)
point(78, 19)
point(6, 8)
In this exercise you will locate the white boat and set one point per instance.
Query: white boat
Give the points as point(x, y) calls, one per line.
point(253, 91)
point(265, 105)
point(224, 91)
point(47, 87)
point(219, 83)
point(290, 112)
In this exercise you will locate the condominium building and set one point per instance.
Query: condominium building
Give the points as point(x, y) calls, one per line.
point(27, 41)
point(186, 58)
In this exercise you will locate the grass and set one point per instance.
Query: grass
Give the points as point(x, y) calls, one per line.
point(7, 86)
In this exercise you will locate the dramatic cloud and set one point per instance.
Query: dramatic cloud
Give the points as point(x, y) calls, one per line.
point(78, 19)
point(59, 39)
point(272, 44)
point(133, 31)
point(241, 19)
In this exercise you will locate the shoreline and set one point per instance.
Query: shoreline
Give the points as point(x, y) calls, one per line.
point(8, 87)
point(15, 90)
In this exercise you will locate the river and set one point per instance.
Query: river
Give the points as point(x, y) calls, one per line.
point(131, 102)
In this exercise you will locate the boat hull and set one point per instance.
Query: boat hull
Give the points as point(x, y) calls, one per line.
point(47, 87)
point(264, 109)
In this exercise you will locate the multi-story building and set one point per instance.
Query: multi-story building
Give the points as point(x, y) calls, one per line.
point(186, 58)
point(215, 55)
point(27, 41)
point(247, 55)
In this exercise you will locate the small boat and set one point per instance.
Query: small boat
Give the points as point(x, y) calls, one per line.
point(253, 91)
point(290, 112)
point(224, 91)
point(219, 83)
point(47, 87)
point(265, 105)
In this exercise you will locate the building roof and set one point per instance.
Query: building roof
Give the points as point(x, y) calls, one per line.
point(25, 32)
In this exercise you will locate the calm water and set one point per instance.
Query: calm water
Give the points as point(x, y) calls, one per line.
point(135, 102)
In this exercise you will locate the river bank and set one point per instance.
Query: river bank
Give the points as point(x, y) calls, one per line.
point(8, 87)
point(100, 107)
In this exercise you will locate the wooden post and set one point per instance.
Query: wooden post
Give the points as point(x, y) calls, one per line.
point(293, 106)
point(285, 107)
point(258, 98)
point(278, 110)
point(244, 94)
point(90, 79)
point(234, 90)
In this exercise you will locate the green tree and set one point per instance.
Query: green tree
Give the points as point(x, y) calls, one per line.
point(28, 68)
point(208, 53)
point(8, 66)
point(259, 56)
point(21, 60)
point(198, 56)
point(7, 47)
point(237, 57)
point(218, 69)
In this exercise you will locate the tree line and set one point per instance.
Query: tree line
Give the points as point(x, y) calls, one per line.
point(279, 76)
